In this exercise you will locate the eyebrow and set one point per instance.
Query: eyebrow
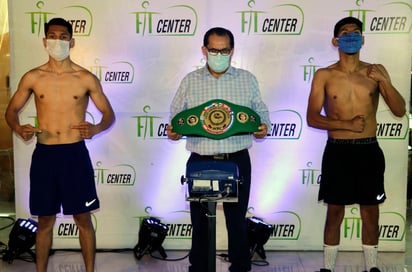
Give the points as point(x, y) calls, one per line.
point(58, 33)
point(343, 28)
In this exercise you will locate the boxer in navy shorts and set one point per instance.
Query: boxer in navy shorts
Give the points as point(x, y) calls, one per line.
point(62, 175)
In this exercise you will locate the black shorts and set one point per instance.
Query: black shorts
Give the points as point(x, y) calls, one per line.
point(352, 172)
point(62, 176)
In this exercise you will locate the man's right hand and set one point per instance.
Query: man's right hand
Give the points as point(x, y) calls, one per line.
point(358, 123)
point(172, 135)
point(27, 131)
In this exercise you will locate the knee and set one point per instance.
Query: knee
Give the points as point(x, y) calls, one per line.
point(83, 221)
point(45, 224)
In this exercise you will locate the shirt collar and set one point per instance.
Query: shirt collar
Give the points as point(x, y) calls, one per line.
point(230, 71)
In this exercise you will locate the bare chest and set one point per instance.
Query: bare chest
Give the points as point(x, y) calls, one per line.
point(60, 91)
point(356, 88)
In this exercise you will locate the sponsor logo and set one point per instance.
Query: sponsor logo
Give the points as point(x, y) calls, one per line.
point(177, 20)
point(391, 128)
point(89, 203)
point(379, 197)
point(80, 17)
point(285, 19)
point(66, 228)
point(310, 176)
point(309, 70)
point(150, 125)
point(392, 17)
point(117, 175)
point(286, 225)
point(177, 230)
point(286, 125)
point(119, 72)
point(391, 226)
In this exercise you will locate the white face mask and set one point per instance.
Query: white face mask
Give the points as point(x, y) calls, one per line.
point(58, 49)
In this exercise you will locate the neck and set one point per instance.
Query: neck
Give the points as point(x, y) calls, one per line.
point(349, 63)
point(59, 66)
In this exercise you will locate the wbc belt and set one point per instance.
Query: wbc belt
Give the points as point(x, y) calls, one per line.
point(216, 119)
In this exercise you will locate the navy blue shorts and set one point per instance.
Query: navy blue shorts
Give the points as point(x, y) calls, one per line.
point(62, 176)
point(352, 172)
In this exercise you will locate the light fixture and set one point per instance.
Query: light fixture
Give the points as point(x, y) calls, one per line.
point(22, 237)
point(152, 233)
point(259, 233)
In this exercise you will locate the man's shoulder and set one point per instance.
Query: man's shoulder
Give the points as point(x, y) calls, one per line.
point(82, 72)
point(337, 67)
point(240, 72)
point(196, 73)
point(78, 68)
point(326, 70)
point(34, 72)
point(37, 69)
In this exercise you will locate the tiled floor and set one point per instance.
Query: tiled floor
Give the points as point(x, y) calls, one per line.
point(176, 261)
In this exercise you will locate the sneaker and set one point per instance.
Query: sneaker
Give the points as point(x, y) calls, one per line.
point(373, 269)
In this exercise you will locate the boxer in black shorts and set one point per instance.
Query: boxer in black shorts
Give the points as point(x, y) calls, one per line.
point(343, 101)
point(352, 172)
point(62, 175)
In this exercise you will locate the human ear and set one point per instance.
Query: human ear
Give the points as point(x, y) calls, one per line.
point(335, 41)
point(72, 42)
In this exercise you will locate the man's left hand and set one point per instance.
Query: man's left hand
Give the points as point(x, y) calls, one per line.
point(263, 130)
point(85, 129)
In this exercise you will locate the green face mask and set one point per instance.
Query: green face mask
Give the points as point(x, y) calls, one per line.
point(218, 63)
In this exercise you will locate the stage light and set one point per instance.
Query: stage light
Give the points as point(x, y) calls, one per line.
point(152, 233)
point(22, 237)
point(259, 233)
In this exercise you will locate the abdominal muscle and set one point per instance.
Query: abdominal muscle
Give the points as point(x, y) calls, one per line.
point(367, 111)
point(56, 125)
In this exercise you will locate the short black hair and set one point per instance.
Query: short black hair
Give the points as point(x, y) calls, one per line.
point(60, 22)
point(220, 31)
point(345, 21)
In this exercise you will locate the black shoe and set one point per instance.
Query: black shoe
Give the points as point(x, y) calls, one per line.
point(325, 270)
point(373, 269)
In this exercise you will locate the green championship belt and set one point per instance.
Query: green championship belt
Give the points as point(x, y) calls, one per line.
point(216, 119)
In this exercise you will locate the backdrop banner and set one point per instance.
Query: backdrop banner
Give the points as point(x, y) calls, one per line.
point(141, 50)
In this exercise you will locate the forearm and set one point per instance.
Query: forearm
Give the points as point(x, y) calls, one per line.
point(12, 119)
point(327, 123)
point(393, 98)
point(106, 122)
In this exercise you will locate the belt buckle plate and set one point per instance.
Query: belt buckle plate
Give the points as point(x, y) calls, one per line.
point(220, 156)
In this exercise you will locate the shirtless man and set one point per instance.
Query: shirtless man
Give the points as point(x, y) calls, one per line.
point(353, 164)
point(61, 172)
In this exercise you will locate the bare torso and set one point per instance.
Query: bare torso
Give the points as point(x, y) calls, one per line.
point(61, 100)
point(348, 95)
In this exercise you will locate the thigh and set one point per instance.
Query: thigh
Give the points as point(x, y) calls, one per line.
point(337, 177)
point(370, 180)
point(44, 189)
point(78, 183)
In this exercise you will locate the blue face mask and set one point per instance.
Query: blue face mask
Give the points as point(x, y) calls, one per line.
point(350, 43)
point(218, 63)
